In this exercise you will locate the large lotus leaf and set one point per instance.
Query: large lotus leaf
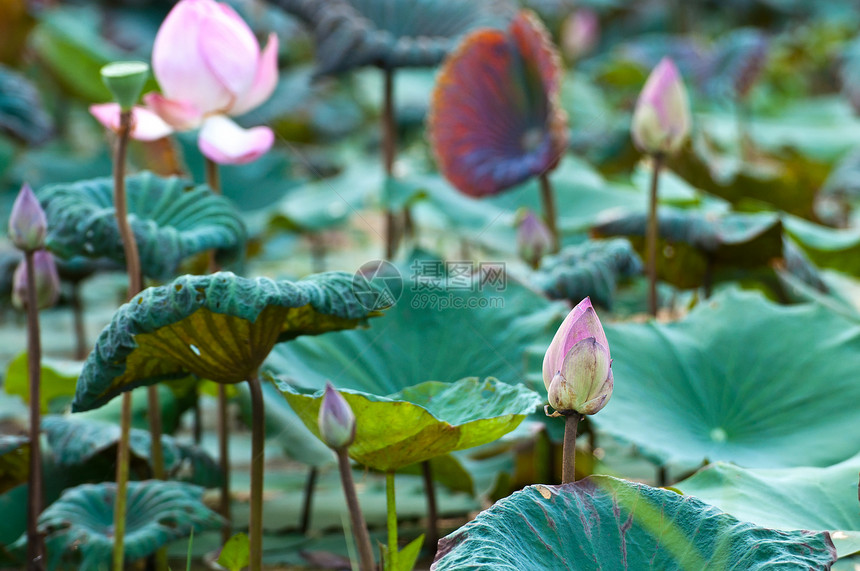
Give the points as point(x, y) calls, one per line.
point(493, 329)
point(740, 379)
point(389, 33)
point(606, 523)
point(80, 524)
point(424, 421)
point(591, 269)
point(14, 461)
point(828, 247)
point(787, 180)
point(219, 327)
point(75, 441)
point(56, 381)
point(841, 190)
point(21, 111)
point(170, 222)
point(693, 239)
point(790, 498)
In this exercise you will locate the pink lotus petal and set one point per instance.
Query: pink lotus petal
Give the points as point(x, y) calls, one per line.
point(178, 63)
point(181, 115)
point(265, 80)
point(230, 49)
point(146, 125)
point(581, 323)
point(226, 143)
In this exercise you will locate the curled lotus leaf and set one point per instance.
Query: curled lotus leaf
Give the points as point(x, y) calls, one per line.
point(390, 33)
point(219, 327)
point(495, 117)
point(80, 523)
point(591, 269)
point(170, 221)
point(607, 523)
point(423, 421)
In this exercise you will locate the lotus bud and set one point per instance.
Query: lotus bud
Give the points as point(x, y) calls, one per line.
point(336, 420)
point(661, 120)
point(533, 239)
point(580, 33)
point(27, 223)
point(47, 281)
point(577, 370)
point(125, 80)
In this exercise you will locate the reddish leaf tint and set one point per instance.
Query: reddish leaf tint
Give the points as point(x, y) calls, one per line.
point(495, 118)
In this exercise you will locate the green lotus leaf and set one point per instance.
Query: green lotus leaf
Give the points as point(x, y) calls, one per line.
point(841, 190)
point(838, 249)
point(787, 181)
point(693, 239)
point(424, 421)
point(591, 269)
point(22, 114)
point(76, 441)
point(80, 524)
point(171, 222)
point(739, 379)
point(14, 461)
point(56, 383)
point(495, 322)
point(388, 33)
point(606, 523)
point(219, 327)
point(788, 498)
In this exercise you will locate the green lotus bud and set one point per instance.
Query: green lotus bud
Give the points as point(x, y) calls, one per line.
point(336, 420)
point(125, 79)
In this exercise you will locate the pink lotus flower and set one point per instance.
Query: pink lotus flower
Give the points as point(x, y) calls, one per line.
point(580, 33)
point(661, 120)
point(533, 239)
point(336, 420)
point(209, 66)
point(28, 225)
point(577, 367)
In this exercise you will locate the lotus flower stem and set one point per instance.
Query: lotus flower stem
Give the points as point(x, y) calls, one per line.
point(81, 348)
point(568, 473)
point(258, 438)
point(391, 560)
point(432, 514)
point(359, 527)
point(35, 500)
point(389, 150)
point(651, 234)
point(213, 179)
point(307, 503)
point(548, 199)
point(135, 285)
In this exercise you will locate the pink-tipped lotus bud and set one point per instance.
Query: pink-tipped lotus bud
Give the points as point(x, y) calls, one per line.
point(27, 223)
point(47, 281)
point(336, 420)
point(577, 370)
point(533, 239)
point(580, 33)
point(661, 120)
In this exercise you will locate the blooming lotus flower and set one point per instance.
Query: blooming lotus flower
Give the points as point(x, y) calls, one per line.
point(661, 120)
point(210, 66)
point(145, 125)
point(577, 367)
point(533, 238)
point(27, 223)
point(336, 420)
point(47, 281)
